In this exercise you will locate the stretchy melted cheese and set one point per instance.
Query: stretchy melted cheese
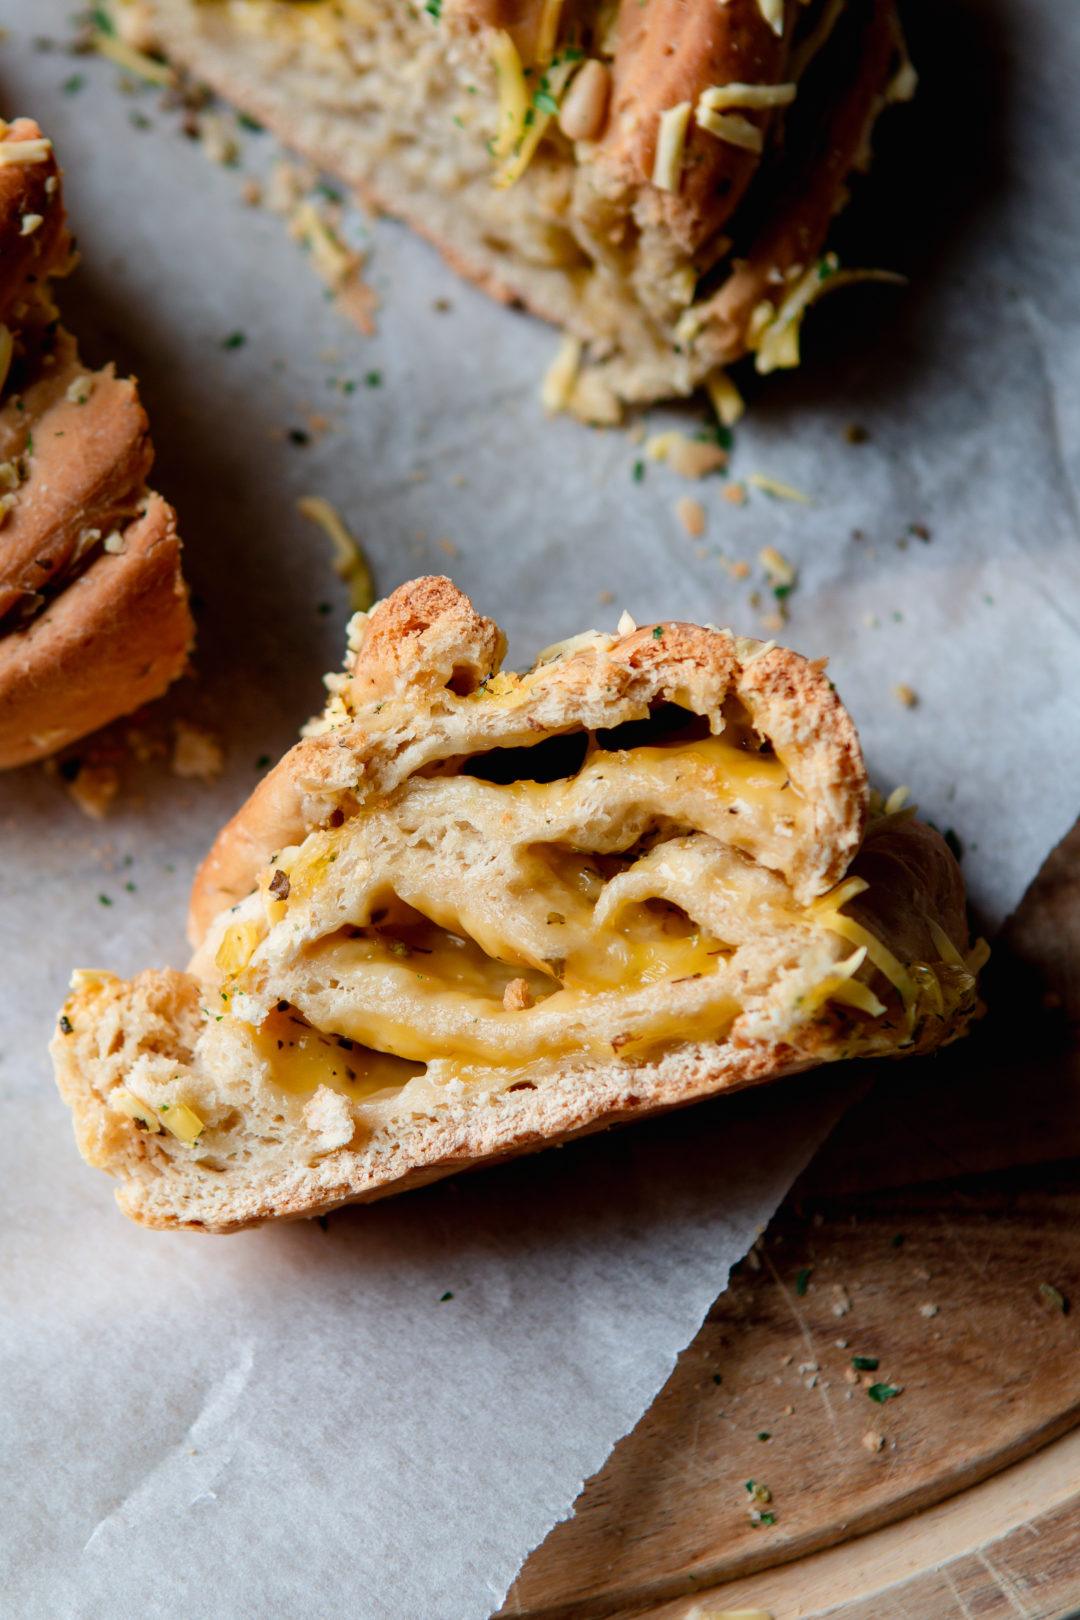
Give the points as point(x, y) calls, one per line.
point(464, 924)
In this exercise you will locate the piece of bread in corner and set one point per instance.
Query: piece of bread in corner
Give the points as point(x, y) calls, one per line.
point(473, 913)
point(94, 616)
point(660, 180)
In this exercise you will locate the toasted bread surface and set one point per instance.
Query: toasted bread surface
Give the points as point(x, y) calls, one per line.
point(475, 912)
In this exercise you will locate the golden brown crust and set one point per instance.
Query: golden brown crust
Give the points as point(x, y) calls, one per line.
point(28, 192)
point(114, 639)
point(667, 52)
point(428, 640)
point(93, 610)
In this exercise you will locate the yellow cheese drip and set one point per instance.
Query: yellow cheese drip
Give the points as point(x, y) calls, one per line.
point(301, 1059)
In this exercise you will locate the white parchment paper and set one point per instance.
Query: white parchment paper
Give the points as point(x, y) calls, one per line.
point(296, 1421)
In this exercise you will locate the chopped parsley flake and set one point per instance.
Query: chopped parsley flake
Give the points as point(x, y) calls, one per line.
point(802, 1280)
point(763, 1434)
point(444, 1297)
point(72, 86)
point(884, 1392)
point(658, 632)
point(373, 379)
point(434, 9)
point(638, 472)
point(865, 1363)
point(104, 900)
point(235, 340)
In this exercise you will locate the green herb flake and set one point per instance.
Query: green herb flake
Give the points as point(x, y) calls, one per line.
point(865, 1363)
point(765, 1518)
point(884, 1392)
point(1053, 1296)
point(802, 1280)
point(72, 86)
point(638, 472)
point(545, 102)
point(235, 340)
point(104, 900)
point(246, 121)
point(658, 632)
point(373, 379)
point(764, 1434)
point(101, 20)
point(434, 9)
point(444, 1297)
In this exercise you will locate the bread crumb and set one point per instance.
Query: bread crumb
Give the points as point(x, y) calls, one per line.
point(776, 566)
point(196, 753)
point(690, 458)
point(93, 789)
point(735, 493)
point(873, 1441)
point(739, 569)
point(605, 598)
point(691, 514)
point(517, 996)
point(448, 546)
point(928, 1310)
point(251, 192)
point(905, 694)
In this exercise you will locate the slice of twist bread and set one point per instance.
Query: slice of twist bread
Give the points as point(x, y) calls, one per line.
point(94, 617)
point(658, 179)
point(476, 912)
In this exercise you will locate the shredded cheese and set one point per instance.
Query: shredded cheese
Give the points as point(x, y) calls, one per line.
point(719, 96)
point(690, 458)
point(513, 93)
point(35, 151)
point(548, 29)
point(774, 333)
point(882, 958)
point(350, 564)
point(670, 141)
point(131, 60)
point(782, 492)
point(332, 259)
point(724, 397)
point(730, 127)
point(535, 118)
point(557, 388)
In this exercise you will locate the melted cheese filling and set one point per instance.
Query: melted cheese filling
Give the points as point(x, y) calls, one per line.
point(497, 926)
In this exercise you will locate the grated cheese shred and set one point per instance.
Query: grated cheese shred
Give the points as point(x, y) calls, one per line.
point(670, 143)
point(350, 564)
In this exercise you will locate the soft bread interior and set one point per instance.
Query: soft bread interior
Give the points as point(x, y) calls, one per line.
point(514, 943)
point(663, 278)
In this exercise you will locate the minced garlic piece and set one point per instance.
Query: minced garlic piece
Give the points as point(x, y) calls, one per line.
point(237, 947)
point(773, 13)
point(670, 141)
point(182, 1121)
point(29, 223)
point(905, 694)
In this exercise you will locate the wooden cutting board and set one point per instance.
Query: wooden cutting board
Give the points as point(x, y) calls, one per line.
point(938, 1237)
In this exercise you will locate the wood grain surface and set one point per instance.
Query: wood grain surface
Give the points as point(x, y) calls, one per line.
point(937, 1234)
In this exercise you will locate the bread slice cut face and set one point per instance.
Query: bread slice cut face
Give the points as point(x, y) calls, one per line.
point(660, 180)
point(475, 912)
point(94, 617)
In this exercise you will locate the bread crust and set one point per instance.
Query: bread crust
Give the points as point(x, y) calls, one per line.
point(94, 618)
point(736, 224)
point(421, 689)
point(428, 635)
